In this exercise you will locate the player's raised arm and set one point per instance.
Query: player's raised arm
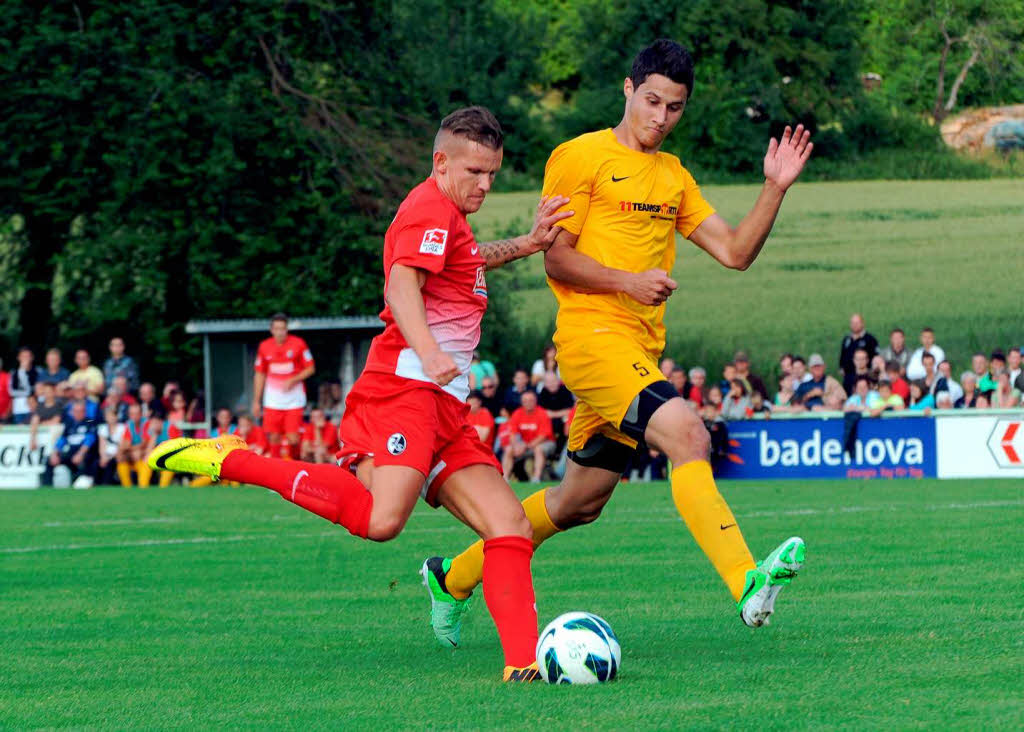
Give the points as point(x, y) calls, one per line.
point(738, 247)
point(540, 238)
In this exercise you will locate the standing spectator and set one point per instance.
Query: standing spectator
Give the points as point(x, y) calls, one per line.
point(479, 369)
point(121, 365)
point(713, 399)
point(677, 377)
point(178, 413)
point(785, 364)
point(223, 424)
point(514, 394)
point(736, 404)
point(728, 374)
point(887, 399)
point(530, 433)
point(897, 349)
point(996, 366)
point(53, 372)
point(547, 362)
point(118, 398)
point(920, 398)
point(49, 411)
point(744, 374)
point(169, 388)
point(758, 405)
point(666, 366)
point(74, 448)
point(1005, 395)
point(951, 385)
point(254, 437)
point(22, 387)
point(784, 396)
point(492, 401)
point(798, 372)
point(5, 393)
point(969, 382)
point(88, 373)
point(79, 392)
point(283, 363)
point(979, 365)
point(859, 367)
point(151, 406)
point(331, 403)
point(864, 398)
point(480, 418)
point(556, 399)
point(1014, 369)
point(857, 339)
point(822, 391)
point(698, 378)
point(113, 450)
point(154, 431)
point(914, 368)
point(136, 441)
point(900, 386)
point(931, 378)
point(319, 438)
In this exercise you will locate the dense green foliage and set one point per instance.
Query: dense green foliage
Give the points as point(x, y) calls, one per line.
point(227, 607)
point(165, 161)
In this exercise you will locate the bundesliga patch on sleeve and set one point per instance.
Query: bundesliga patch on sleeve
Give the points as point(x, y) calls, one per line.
point(434, 241)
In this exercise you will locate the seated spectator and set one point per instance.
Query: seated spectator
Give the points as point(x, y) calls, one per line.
point(135, 441)
point(480, 418)
point(996, 366)
point(530, 434)
point(541, 366)
point(751, 380)
point(514, 394)
point(79, 392)
point(1006, 396)
point(946, 376)
point(118, 398)
point(154, 431)
point(860, 366)
point(716, 427)
point(223, 423)
point(877, 368)
point(74, 448)
point(969, 382)
point(177, 411)
point(480, 368)
point(896, 350)
point(982, 401)
point(784, 396)
point(49, 411)
point(493, 402)
point(900, 386)
point(863, 399)
point(53, 372)
point(5, 393)
point(887, 399)
point(821, 391)
point(677, 377)
point(114, 460)
point(318, 439)
point(915, 369)
point(1013, 367)
point(329, 400)
point(736, 404)
point(798, 372)
point(785, 364)
point(254, 437)
point(943, 399)
point(713, 399)
point(920, 398)
point(556, 399)
point(169, 388)
point(728, 374)
point(666, 366)
point(121, 365)
point(22, 387)
point(151, 406)
point(698, 378)
point(89, 374)
point(758, 405)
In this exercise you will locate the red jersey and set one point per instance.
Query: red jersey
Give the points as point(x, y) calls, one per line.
point(255, 438)
point(531, 425)
point(281, 361)
point(431, 234)
point(482, 418)
point(328, 435)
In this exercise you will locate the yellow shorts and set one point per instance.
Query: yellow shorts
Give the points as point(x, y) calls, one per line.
point(605, 371)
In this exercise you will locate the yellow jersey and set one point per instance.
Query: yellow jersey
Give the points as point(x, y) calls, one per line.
point(628, 205)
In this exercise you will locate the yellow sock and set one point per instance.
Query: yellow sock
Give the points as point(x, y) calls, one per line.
point(711, 522)
point(144, 472)
point(124, 474)
point(467, 569)
point(200, 481)
point(166, 476)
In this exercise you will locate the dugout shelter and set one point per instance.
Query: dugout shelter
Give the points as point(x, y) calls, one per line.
point(339, 346)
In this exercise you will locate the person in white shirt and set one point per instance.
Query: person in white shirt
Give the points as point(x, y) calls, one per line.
point(915, 369)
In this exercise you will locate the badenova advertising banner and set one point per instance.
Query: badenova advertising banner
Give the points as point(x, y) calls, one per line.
point(817, 448)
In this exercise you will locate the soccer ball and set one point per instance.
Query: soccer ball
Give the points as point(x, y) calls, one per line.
point(578, 648)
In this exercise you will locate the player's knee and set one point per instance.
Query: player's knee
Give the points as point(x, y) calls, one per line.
point(521, 526)
point(384, 528)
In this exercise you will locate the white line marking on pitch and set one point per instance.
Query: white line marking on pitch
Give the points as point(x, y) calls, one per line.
point(113, 522)
point(845, 509)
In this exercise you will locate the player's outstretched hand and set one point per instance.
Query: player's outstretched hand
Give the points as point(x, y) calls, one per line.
point(440, 367)
point(786, 157)
point(652, 287)
point(544, 230)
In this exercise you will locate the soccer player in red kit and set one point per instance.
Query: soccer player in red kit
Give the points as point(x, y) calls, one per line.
point(404, 433)
point(283, 363)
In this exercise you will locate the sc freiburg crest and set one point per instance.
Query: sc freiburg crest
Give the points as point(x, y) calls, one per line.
point(396, 443)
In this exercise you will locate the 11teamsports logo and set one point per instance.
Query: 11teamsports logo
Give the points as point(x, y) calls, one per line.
point(1006, 443)
point(434, 241)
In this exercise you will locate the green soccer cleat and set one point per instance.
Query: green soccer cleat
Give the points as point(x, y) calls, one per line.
point(445, 611)
point(764, 583)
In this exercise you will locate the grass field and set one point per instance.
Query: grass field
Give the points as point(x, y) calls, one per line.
point(945, 254)
point(225, 607)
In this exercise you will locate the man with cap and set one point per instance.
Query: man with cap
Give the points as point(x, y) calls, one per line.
point(821, 392)
point(744, 374)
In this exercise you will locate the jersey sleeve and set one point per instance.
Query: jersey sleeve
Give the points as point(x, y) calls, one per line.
point(693, 209)
point(305, 357)
point(568, 173)
point(423, 238)
point(546, 428)
point(261, 360)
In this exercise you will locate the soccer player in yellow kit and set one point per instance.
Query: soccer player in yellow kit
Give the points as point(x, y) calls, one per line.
point(609, 269)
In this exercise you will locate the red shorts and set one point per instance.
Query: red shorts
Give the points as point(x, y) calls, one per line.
point(282, 421)
point(397, 421)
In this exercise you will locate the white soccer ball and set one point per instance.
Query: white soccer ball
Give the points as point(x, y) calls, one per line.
point(578, 648)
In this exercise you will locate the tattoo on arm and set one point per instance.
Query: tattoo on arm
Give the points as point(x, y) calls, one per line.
point(501, 251)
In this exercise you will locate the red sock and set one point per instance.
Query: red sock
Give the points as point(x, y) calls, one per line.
point(508, 592)
point(326, 490)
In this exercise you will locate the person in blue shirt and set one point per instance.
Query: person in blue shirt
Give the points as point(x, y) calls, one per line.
point(920, 399)
point(76, 447)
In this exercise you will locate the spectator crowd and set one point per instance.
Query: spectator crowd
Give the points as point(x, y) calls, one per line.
point(107, 420)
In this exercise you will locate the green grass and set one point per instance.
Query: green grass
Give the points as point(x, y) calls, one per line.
point(945, 254)
point(225, 607)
